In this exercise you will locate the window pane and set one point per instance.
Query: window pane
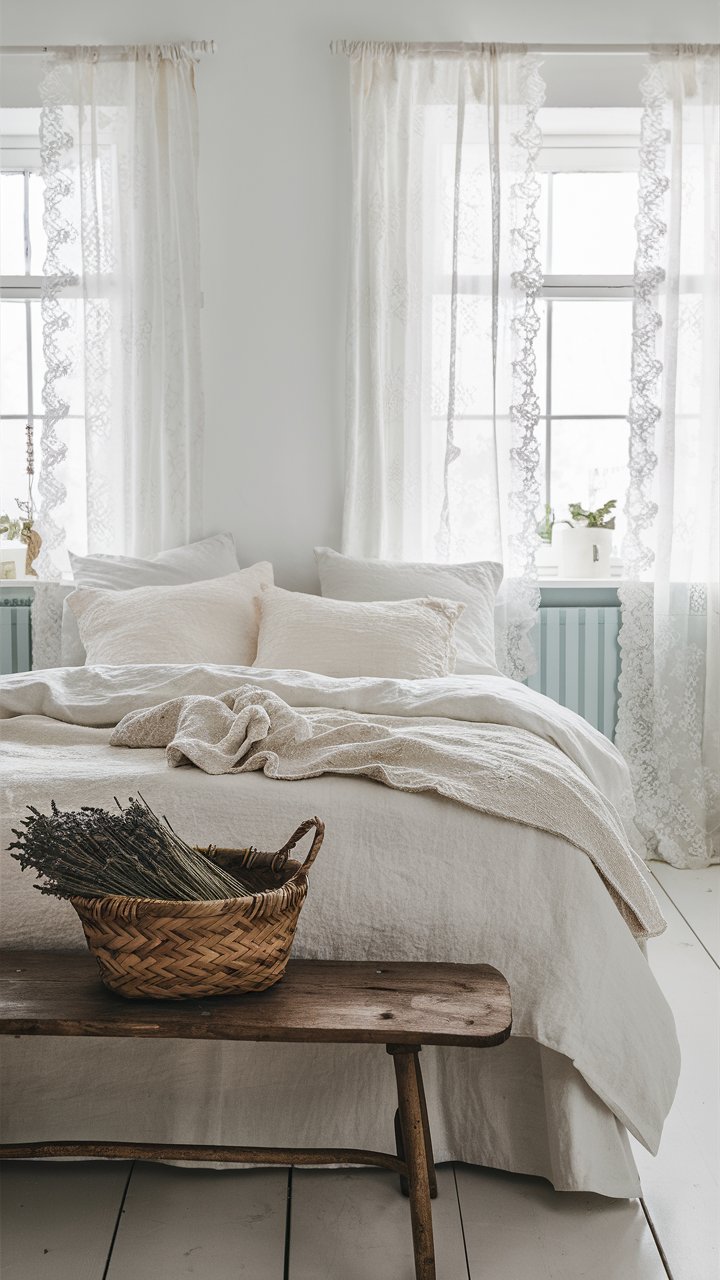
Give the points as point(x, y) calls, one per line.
point(12, 233)
point(543, 213)
point(70, 387)
point(591, 348)
point(473, 357)
point(473, 369)
point(593, 223)
point(589, 465)
point(13, 358)
point(73, 512)
point(13, 476)
point(38, 239)
point(541, 359)
point(38, 357)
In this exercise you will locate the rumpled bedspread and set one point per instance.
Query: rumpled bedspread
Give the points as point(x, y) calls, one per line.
point(498, 769)
point(402, 876)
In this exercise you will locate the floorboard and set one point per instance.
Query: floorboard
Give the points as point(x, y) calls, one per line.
point(519, 1228)
point(201, 1223)
point(696, 894)
point(57, 1220)
point(680, 1184)
point(354, 1225)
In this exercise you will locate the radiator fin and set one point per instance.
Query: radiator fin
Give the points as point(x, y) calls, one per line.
point(15, 647)
point(578, 661)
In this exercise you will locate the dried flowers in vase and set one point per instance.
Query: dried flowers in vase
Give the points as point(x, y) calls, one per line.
point(22, 527)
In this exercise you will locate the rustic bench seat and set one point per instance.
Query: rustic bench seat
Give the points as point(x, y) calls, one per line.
point(400, 1005)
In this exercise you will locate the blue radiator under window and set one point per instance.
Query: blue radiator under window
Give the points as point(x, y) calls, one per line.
point(15, 646)
point(579, 661)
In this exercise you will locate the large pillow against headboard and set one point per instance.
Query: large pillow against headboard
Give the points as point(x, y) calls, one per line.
point(475, 585)
point(212, 557)
point(402, 639)
point(213, 620)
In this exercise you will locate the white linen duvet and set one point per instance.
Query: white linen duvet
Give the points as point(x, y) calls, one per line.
point(402, 875)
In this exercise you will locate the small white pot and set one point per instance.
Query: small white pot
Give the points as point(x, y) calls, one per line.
point(582, 552)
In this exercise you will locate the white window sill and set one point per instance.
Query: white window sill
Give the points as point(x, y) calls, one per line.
point(581, 583)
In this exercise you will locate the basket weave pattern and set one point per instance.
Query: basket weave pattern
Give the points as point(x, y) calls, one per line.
point(179, 950)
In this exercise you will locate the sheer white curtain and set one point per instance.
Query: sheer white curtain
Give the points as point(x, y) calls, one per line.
point(442, 411)
point(669, 712)
point(121, 304)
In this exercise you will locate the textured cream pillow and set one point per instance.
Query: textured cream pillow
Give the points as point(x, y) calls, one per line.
point(212, 557)
point(211, 621)
point(405, 639)
point(475, 584)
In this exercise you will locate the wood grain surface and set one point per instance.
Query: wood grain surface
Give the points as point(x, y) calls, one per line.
point(51, 993)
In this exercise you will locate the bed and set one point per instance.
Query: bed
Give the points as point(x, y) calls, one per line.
point(404, 874)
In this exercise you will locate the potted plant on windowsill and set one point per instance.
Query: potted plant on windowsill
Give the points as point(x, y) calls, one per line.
point(584, 545)
point(545, 556)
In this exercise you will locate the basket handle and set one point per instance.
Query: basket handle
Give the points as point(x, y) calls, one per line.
point(314, 849)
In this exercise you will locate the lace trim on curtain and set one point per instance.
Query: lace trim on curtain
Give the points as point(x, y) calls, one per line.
point(518, 659)
point(46, 622)
point(635, 732)
point(662, 672)
point(55, 315)
point(646, 369)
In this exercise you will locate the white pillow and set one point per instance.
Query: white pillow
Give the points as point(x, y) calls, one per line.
point(210, 558)
point(406, 639)
point(476, 585)
point(211, 621)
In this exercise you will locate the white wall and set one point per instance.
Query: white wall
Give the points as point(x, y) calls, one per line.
point(275, 211)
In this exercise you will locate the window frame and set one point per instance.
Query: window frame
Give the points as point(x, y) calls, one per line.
point(579, 153)
point(20, 154)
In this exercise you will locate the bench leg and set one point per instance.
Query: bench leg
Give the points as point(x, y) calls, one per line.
point(413, 1133)
point(400, 1145)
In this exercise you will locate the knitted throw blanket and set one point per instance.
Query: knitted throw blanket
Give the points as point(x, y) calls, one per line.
point(494, 768)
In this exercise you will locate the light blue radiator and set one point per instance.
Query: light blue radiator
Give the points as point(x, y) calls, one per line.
point(579, 661)
point(15, 644)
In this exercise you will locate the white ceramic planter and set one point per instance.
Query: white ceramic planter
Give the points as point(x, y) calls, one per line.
point(582, 552)
point(12, 559)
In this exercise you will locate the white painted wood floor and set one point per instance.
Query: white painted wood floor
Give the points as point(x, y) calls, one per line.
point(100, 1221)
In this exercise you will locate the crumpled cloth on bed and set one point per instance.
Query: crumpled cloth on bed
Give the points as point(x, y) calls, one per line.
point(496, 769)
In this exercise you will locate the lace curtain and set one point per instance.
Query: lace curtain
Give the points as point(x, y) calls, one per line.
point(442, 411)
point(669, 711)
point(121, 305)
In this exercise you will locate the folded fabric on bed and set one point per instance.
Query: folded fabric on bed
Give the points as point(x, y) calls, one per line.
point(496, 769)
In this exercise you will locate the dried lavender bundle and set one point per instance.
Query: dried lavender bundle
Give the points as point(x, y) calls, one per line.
point(90, 853)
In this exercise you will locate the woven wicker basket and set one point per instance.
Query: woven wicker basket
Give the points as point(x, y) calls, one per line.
point(179, 950)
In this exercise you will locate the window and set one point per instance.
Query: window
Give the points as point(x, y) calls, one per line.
point(22, 364)
point(589, 198)
point(588, 172)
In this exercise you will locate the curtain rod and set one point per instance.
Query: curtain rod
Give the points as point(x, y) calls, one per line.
point(344, 46)
point(194, 46)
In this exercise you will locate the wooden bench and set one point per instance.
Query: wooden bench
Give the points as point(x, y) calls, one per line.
point(402, 1006)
